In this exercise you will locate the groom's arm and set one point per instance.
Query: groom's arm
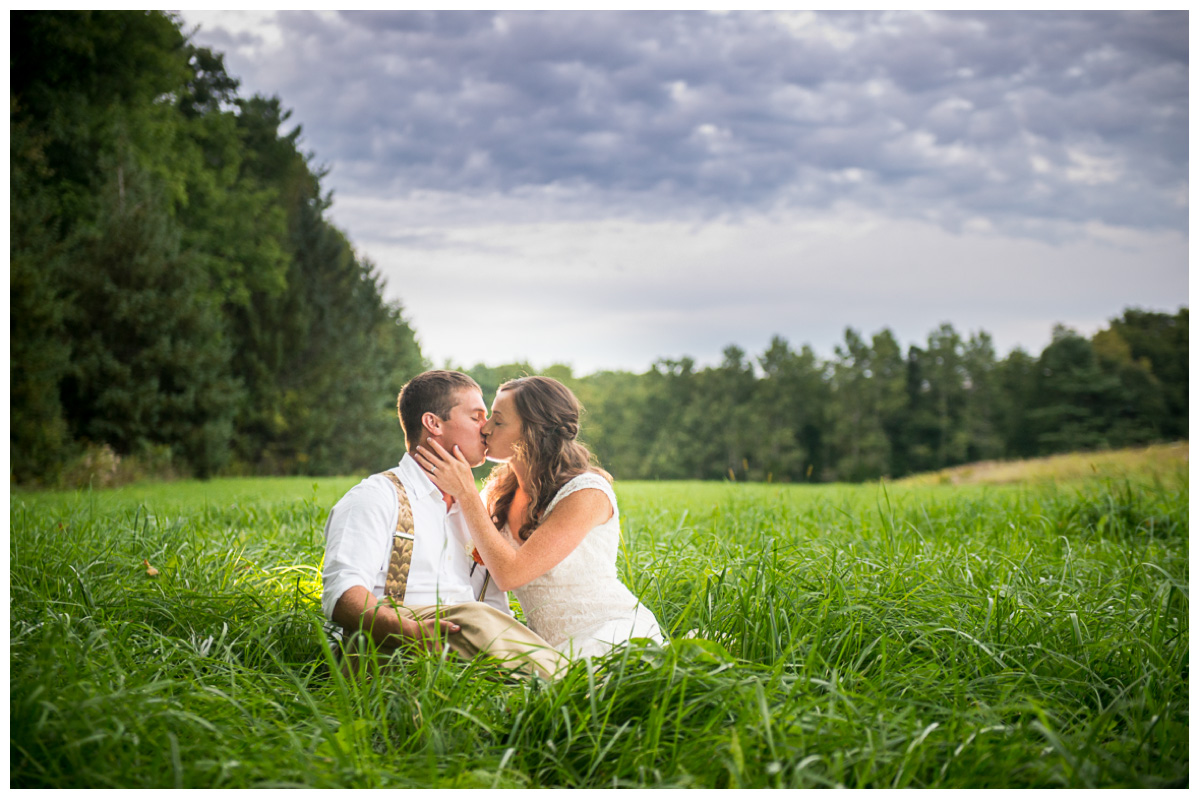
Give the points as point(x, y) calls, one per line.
point(358, 545)
point(358, 609)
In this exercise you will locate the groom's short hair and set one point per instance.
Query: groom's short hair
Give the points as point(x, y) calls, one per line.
point(434, 391)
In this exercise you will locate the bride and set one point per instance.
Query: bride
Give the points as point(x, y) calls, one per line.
point(546, 525)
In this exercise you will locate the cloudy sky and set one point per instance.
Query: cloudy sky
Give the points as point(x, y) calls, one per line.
point(605, 189)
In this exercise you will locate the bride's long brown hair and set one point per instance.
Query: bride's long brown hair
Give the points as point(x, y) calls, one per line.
point(548, 448)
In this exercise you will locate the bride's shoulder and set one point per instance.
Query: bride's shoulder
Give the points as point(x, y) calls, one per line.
point(586, 480)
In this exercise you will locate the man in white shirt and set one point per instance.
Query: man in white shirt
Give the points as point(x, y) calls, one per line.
point(444, 601)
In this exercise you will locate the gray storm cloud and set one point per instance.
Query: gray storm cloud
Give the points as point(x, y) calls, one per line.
point(1006, 116)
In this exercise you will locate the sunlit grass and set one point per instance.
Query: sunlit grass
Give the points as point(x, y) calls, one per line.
point(1164, 461)
point(859, 636)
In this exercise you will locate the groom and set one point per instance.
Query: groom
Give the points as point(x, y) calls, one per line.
point(398, 565)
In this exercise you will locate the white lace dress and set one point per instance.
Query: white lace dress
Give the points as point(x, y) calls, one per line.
point(580, 606)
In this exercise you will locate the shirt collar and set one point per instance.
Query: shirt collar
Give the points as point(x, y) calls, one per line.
point(410, 469)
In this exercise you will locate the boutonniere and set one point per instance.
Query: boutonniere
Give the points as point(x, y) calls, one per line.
point(471, 549)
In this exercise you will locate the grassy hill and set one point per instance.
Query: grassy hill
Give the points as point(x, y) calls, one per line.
point(1153, 462)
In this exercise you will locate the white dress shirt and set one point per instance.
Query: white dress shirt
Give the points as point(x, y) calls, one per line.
point(359, 537)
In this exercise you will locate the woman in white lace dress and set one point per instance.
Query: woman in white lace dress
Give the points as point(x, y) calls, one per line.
point(547, 525)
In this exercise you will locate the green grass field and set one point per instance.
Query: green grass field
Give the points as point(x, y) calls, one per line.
point(877, 636)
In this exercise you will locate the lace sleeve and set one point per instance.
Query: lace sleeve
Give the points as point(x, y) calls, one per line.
point(588, 480)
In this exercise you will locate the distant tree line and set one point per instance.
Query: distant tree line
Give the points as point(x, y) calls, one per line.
point(177, 293)
point(877, 410)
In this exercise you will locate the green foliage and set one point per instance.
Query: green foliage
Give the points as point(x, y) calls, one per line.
point(1016, 382)
point(150, 357)
point(875, 411)
point(1076, 396)
point(39, 355)
point(176, 286)
point(615, 423)
point(821, 636)
point(867, 388)
point(981, 420)
point(77, 80)
point(1157, 354)
point(797, 403)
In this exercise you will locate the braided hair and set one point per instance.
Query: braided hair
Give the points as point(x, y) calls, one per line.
point(548, 448)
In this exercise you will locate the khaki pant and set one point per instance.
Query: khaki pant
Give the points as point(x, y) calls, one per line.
point(482, 629)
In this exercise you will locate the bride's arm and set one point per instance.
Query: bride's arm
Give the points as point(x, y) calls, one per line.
point(573, 517)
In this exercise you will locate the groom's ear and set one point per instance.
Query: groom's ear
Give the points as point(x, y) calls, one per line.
point(432, 423)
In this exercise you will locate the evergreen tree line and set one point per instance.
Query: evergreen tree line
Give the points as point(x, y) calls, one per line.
point(875, 410)
point(177, 293)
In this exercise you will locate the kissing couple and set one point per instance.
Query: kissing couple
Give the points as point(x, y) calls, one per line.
point(417, 555)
